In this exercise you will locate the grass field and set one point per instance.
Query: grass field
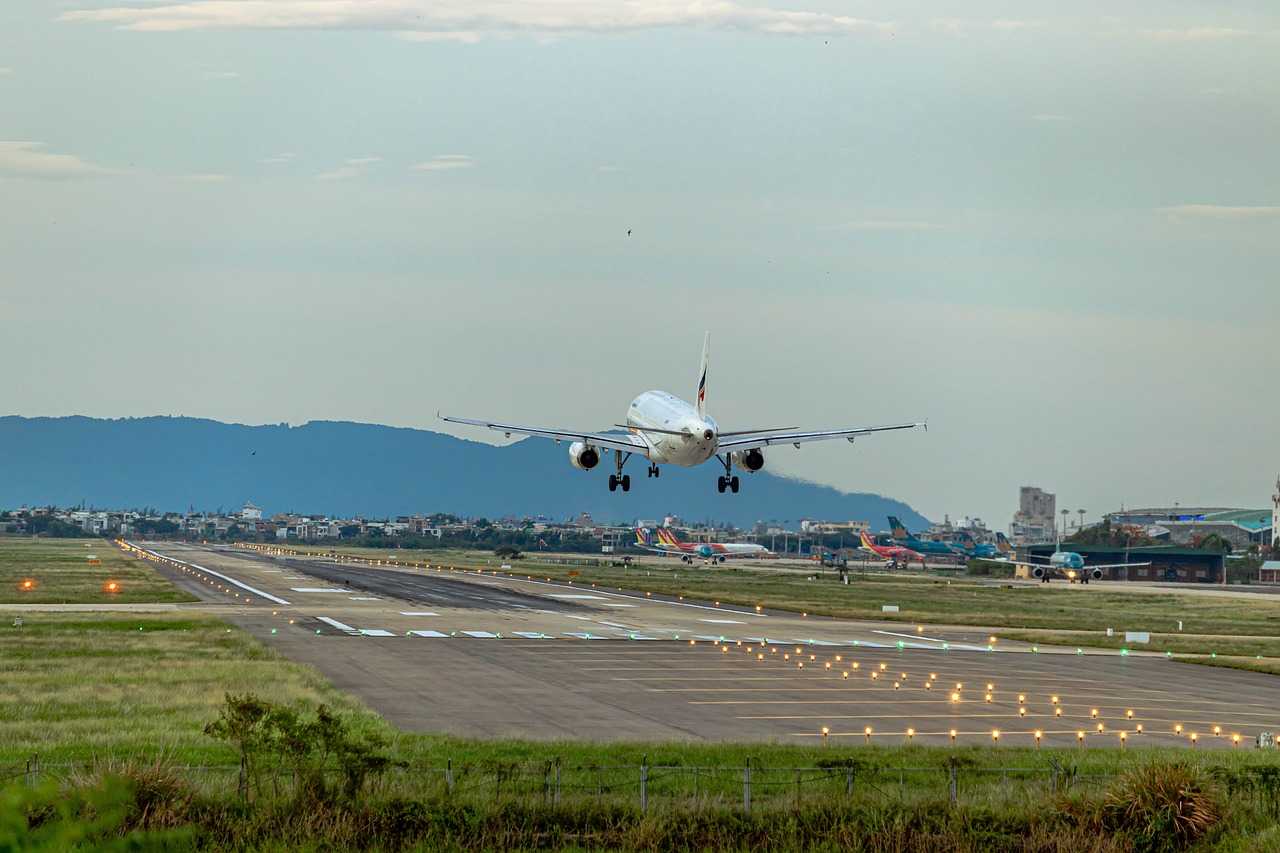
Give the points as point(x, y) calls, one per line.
point(78, 686)
point(921, 599)
point(58, 571)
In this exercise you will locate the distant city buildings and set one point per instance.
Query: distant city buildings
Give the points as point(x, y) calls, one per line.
point(1035, 520)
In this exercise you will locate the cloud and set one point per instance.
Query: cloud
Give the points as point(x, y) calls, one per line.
point(30, 160)
point(277, 159)
point(889, 225)
point(1050, 117)
point(1222, 212)
point(965, 26)
point(444, 163)
point(221, 75)
point(354, 168)
point(1195, 34)
point(469, 20)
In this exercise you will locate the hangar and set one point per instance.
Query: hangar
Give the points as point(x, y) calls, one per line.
point(1168, 563)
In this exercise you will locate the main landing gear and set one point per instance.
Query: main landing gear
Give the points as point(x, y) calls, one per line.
point(729, 480)
point(653, 471)
point(620, 479)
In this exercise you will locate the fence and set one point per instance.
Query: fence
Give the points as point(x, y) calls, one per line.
point(748, 787)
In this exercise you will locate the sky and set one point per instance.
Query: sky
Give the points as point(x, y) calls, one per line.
point(1054, 235)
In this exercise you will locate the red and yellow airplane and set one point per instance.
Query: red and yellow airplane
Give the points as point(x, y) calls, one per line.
point(666, 542)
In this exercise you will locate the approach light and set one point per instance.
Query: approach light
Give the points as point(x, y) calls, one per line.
point(995, 735)
point(953, 735)
point(111, 587)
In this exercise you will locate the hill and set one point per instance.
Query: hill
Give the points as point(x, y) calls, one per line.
point(346, 469)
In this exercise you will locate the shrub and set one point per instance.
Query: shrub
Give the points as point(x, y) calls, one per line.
point(1162, 806)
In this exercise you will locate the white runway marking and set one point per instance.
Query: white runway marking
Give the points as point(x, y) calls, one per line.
point(336, 624)
point(532, 635)
point(579, 618)
point(418, 613)
point(315, 589)
point(616, 605)
point(427, 634)
point(581, 635)
point(364, 598)
point(723, 621)
point(614, 625)
point(268, 596)
point(575, 596)
point(376, 632)
point(481, 635)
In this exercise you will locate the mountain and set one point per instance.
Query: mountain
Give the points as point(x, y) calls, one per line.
point(346, 469)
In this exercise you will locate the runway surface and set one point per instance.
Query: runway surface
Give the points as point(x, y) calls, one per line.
point(491, 655)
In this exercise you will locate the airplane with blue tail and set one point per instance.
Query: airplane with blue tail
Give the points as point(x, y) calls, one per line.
point(668, 543)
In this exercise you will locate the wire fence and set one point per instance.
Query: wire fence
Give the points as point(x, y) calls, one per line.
point(646, 786)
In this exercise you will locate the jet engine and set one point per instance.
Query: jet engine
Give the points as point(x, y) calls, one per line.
point(582, 456)
point(752, 460)
point(1037, 572)
point(1095, 574)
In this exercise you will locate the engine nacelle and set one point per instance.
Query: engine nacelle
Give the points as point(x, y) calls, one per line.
point(582, 456)
point(1096, 574)
point(750, 460)
point(1037, 572)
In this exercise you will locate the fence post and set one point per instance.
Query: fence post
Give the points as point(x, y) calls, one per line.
point(644, 784)
point(746, 787)
point(954, 788)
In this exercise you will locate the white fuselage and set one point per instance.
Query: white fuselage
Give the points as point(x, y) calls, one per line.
point(699, 435)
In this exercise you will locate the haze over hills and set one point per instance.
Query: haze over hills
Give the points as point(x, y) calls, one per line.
point(346, 469)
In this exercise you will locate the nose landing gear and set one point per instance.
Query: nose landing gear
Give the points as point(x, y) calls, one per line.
point(654, 472)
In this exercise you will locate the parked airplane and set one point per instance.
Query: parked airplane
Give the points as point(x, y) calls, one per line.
point(668, 543)
point(965, 546)
point(1063, 564)
point(667, 430)
point(901, 536)
point(894, 553)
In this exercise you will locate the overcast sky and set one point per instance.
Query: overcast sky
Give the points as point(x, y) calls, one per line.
point(1054, 237)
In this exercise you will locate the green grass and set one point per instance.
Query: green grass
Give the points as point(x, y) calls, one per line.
point(82, 685)
point(59, 572)
point(1179, 644)
point(921, 598)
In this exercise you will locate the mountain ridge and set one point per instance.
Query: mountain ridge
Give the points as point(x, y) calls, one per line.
point(346, 468)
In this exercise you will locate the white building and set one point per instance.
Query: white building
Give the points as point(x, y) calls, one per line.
point(251, 512)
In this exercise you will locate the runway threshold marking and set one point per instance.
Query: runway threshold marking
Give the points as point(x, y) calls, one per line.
point(428, 634)
point(418, 613)
point(334, 623)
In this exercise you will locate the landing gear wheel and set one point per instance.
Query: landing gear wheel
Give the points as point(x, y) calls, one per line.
point(626, 482)
point(733, 484)
point(613, 483)
point(720, 484)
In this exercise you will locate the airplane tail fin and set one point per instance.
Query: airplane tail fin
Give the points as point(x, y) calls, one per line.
point(897, 528)
point(1002, 544)
point(866, 540)
point(644, 536)
point(702, 376)
point(670, 536)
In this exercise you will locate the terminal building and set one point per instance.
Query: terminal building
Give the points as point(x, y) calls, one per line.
point(1186, 525)
point(1169, 563)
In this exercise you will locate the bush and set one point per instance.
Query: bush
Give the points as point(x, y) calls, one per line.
point(1162, 806)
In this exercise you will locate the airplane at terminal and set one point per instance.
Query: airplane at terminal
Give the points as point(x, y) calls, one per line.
point(894, 553)
point(667, 430)
point(1063, 564)
point(902, 537)
point(668, 543)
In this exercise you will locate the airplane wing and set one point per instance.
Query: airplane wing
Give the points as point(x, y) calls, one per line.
point(1113, 565)
point(626, 442)
point(748, 442)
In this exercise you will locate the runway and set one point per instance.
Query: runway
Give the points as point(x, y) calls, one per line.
point(492, 655)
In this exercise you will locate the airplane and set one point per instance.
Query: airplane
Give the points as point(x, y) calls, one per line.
point(893, 553)
point(1064, 564)
point(669, 543)
point(921, 546)
point(965, 546)
point(667, 430)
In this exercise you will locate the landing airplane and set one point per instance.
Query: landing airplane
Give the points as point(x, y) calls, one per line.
point(669, 543)
point(1064, 564)
point(894, 553)
point(667, 430)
